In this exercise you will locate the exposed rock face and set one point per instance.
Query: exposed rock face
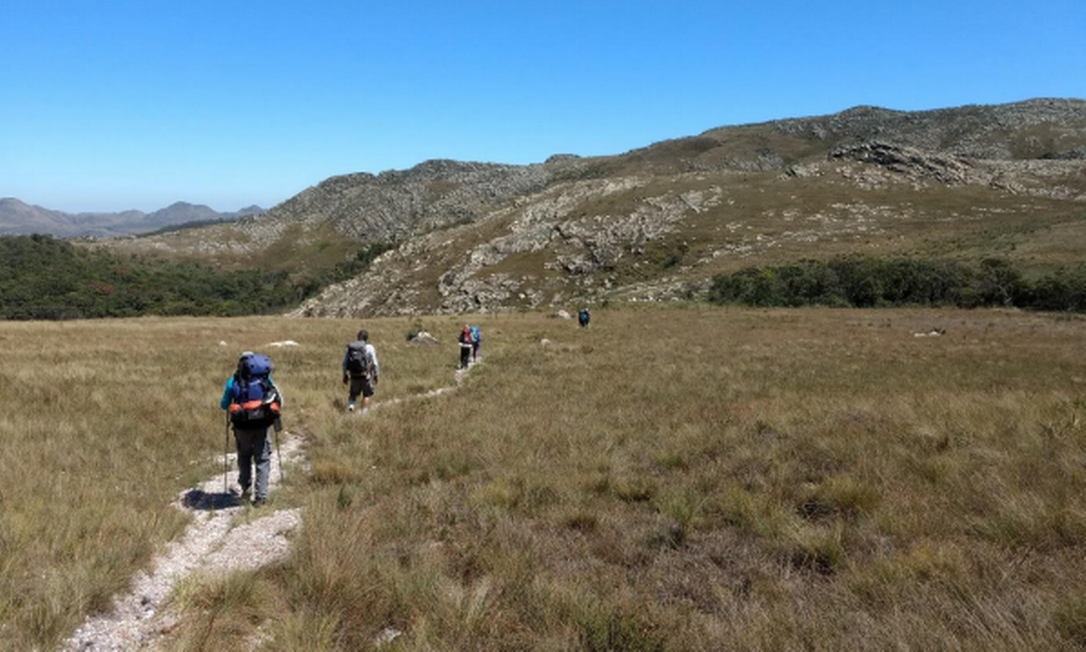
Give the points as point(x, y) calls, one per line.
point(1017, 176)
point(574, 248)
point(1029, 129)
point(396, 205)
point(908, 161)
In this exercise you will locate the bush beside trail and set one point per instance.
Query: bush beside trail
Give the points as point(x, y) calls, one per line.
point(865, 282)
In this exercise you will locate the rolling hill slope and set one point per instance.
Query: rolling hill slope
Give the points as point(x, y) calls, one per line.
point(658, 222)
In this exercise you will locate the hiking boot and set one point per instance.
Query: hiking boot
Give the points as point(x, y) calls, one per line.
point(244, 493)
point(259, 502)
point(350, 408)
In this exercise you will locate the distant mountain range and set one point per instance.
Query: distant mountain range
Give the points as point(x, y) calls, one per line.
point(20, 218)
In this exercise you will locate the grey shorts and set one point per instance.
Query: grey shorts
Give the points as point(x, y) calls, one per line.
point(361, 386)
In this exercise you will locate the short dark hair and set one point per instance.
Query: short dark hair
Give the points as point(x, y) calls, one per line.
point(364, 336)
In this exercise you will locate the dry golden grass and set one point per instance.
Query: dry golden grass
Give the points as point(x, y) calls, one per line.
point(669, 479)
point(708, 479)
point(104, 423)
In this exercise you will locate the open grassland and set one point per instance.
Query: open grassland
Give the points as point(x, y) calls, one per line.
point(104, 423)
point(669, 479)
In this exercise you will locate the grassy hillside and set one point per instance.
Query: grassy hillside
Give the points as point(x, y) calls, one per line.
point(669, 479)
point(653, 223)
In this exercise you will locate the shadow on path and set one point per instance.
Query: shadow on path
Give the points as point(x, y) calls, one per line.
point(199, 499)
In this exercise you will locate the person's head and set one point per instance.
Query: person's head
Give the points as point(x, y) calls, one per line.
point(364, 335)
point(245, 354)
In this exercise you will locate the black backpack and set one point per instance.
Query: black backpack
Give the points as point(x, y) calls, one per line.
point(358, 360)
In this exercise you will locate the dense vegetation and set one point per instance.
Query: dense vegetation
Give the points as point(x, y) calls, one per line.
point(864, 281)
point(309, 285)
point(45, 278)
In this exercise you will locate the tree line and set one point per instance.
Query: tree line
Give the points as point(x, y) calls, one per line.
point(866, 281)
point(42, 277)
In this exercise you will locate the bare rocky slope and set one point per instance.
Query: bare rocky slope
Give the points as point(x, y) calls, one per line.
point(656, 223)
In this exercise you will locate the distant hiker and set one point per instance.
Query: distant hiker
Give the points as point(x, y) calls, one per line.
point(253, 404)
point(465, 347)
point(360, 371)
point(583, 317)
point(476, 342)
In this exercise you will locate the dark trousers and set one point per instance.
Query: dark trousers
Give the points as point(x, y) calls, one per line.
point(465, 356)
point(254, 446)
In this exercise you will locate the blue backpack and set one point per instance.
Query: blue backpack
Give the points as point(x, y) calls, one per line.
point(476, 334)
point(254, 402)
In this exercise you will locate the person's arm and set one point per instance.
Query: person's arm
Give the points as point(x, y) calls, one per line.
point(376, 365)
point(278, 391)
point(227, 394)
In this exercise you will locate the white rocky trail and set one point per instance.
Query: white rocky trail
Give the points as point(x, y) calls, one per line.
point(211, 545)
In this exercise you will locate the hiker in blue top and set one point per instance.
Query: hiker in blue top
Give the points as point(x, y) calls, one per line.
point(253, 404)
point(583, 317)
point(476, 342)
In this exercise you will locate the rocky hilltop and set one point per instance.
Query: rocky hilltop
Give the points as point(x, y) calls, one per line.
point(655, 223)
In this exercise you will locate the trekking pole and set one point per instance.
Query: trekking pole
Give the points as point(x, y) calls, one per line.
point(279, 426)
point(225, 458)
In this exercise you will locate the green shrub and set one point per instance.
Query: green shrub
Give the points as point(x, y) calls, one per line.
point(865, 281)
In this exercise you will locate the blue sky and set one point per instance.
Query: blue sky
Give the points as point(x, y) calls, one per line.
point(118, 104)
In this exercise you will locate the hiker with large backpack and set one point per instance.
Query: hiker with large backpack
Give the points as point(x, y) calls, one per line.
point(465, 341)
point(583, 317)
point(476, 342)
point(253, 404)
point(360, 371)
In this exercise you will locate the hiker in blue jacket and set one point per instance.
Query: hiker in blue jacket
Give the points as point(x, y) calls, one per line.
point(476, 342)
point(253, 402)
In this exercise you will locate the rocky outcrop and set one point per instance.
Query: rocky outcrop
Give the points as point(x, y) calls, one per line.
point(576, 249)
point(909, 161)
point(1038, 178)
point(996, 132)
point(396, 205)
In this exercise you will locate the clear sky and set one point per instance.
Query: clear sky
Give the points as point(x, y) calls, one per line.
point(115, 104)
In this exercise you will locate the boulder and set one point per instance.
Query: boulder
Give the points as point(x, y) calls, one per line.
point(562, 314)
point(422, 338)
